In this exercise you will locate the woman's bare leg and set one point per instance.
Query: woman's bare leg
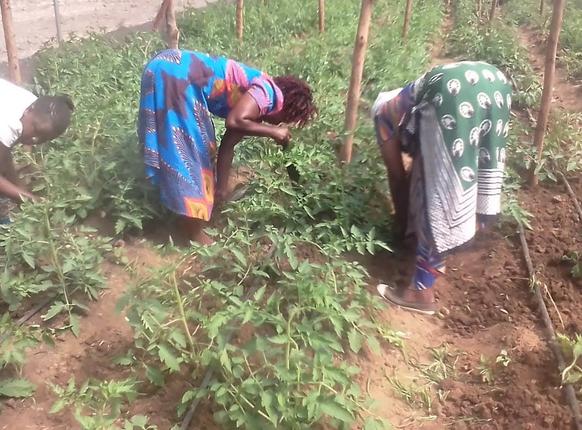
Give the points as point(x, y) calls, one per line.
point(194, 229)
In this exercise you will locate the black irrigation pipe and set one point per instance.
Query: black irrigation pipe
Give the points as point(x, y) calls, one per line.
point(550, 332)
point(32, 312)
point(572, 195)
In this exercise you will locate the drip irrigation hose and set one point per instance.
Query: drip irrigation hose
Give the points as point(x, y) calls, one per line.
point(28, 315)
point(572, 195)
point(550, 332)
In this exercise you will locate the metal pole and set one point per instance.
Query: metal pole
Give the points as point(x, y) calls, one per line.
point(58, 20)
point(13, 66)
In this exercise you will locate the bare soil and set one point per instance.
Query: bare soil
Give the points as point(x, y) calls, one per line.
point(35, 27)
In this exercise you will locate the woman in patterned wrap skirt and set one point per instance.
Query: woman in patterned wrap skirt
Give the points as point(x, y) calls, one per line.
point(453, 122)
point(179, 91)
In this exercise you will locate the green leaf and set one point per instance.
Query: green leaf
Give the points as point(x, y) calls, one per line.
point(75, 325)
point(16, 388)
point(55, 309)
point(155, 376)
point(225, 360)
point(356, 340)
point(239, 256)
point(374, 345)
point(29, 260)
point(337, 411)
point(168, 358)
point(280, 339)
point(179, 338)
point(58, 406)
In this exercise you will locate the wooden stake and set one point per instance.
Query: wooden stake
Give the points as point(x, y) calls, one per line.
point(358, 59)
point(58, 20)
point(173, 33)
point(492, 12)
point(407, 15)
point(168, 13)
point(479, 8)
point(549, 72)
point(13, 66)
point(321, 16)
point(240, 16)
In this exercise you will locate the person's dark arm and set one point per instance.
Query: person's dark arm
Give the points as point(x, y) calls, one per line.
point(398, 181)
point(8, 179)
point(244, 118)
point(224, 162)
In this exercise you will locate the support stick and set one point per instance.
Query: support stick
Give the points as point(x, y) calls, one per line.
point(407, 15)
point(549, 72)
point(356, 79)
point(321, 16)
point(13, 66)
point(172, 31)
point(492, 12)
point(58, 20)
point(240, 16)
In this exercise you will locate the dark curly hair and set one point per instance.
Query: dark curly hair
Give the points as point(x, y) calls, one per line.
point(298, 105)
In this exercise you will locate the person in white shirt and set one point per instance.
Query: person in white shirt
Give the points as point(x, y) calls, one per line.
point(28, 120)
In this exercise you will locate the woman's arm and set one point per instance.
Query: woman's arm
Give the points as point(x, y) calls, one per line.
point(398, 180)
point(244, 118)
point(9, 178)
point(224, 162)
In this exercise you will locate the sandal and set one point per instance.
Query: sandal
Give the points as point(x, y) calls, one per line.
point(391, 295)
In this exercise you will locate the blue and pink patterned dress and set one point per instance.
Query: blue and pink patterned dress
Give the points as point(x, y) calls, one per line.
point(179, 91)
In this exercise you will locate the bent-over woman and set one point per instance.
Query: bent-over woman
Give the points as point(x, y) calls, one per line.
point(179, 92)
point(453, 122)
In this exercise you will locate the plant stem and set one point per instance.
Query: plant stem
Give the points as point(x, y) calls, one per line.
point(182, 313)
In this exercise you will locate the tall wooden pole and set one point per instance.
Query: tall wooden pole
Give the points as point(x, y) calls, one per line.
point(321, 16)
point(58, 20)
point(13, 66)
point(168, 13)
point(240, 16)
point(492, 12)
point(542, 7)
point(172, 31)
point(549, 72)
point(356, 79)
point(407, 15)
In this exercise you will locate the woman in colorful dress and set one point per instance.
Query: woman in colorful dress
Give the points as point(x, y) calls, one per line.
point(453, 122)
point(179, 91)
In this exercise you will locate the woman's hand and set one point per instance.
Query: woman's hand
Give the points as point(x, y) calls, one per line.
point(25, 196)
point(282, 136)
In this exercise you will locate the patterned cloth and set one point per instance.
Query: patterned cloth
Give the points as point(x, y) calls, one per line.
point(5, 208)
point(179, 91)
point(456, 128)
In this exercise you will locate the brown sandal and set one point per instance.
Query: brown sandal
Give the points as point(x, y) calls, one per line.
point(391, 295)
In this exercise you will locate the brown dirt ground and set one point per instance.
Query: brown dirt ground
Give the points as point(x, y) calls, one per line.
point(34, 20)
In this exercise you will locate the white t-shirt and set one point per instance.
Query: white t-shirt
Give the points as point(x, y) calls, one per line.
point(14, 100)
